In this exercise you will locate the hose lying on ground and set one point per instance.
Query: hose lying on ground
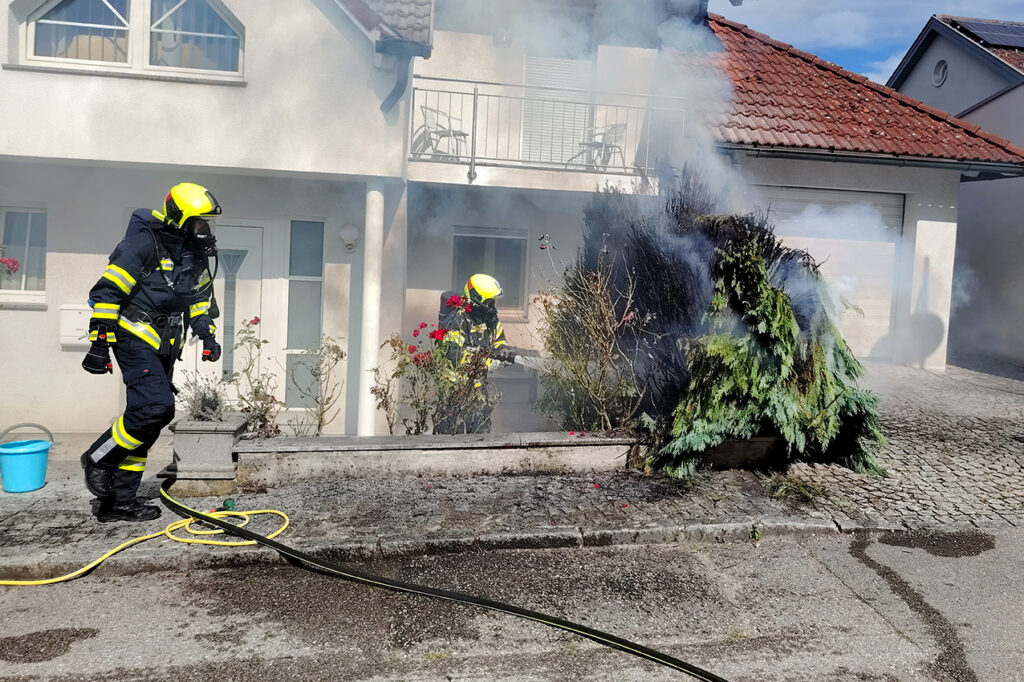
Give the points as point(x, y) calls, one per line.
point(184, 525)
point(349, 574)
point(217, 519)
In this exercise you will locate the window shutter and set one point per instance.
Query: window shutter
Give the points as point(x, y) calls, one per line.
point(554, 122)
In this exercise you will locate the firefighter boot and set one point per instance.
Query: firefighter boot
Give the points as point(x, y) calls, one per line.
point(98, 480)
point(133, 510)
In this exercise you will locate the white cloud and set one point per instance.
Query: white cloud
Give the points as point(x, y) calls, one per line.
point(880, 71)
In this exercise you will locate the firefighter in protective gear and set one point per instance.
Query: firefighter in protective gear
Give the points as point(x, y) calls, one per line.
point(471, 324)
point(158, 278)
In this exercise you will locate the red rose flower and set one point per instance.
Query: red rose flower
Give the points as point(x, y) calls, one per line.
point(255, 320)
point(412, 349)
point(454, 301)
point(415, 332)
point(438, 334)
point(423, 325)
point(468, 307)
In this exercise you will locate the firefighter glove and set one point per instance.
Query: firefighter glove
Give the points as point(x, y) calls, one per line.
point(211, 349)
point(97, 360)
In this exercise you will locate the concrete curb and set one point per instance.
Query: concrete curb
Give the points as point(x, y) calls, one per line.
point(165, 555)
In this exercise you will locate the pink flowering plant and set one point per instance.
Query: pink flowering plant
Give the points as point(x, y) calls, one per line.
point(8, 267)
point(426, 382)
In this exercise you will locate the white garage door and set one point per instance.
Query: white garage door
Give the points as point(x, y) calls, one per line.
point(854, 236)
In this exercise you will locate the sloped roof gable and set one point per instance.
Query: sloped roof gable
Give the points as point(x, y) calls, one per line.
point(789, 99)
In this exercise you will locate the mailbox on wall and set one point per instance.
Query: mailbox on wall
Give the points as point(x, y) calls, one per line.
point(74, 326)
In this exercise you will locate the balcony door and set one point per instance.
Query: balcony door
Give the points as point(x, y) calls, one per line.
point(556, 121)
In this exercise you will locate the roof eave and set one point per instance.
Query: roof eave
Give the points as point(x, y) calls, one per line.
point(990, 169)
point(936, 27)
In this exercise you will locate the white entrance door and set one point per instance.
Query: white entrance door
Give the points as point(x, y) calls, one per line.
point(238, 288)
point(854, 236)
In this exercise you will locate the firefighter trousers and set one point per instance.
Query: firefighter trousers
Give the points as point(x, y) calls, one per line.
point(150, 407)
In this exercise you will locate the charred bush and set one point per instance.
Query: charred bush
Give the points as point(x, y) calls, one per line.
point(730, 334)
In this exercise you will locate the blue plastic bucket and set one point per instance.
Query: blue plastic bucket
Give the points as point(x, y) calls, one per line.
point(23, 462)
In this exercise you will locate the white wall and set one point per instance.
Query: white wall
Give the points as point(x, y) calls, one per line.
point(990, 270)
point(967, 83)
point(990, 280)
point(87, 210)
point(310, 103)
point(924, 257)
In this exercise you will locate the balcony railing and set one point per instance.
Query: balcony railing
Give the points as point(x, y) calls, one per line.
point(481, 123)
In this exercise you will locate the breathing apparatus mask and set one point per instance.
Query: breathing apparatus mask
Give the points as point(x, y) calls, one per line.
point(201, 230)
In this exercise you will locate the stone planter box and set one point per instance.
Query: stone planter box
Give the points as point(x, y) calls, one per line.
point(740, 453)
point(205, 450)
point(282, 460)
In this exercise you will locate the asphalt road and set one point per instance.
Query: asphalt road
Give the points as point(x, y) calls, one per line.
point(889, 608)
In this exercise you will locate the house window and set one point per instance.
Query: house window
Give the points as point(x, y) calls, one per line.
point(191, 35)
point(305, 306)
point(22, 250)
point(499, 253)
point(93, 30)
point(142, 35)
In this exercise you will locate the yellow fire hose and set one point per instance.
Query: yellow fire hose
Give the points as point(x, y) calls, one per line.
point(216, 518)
point(184, 525)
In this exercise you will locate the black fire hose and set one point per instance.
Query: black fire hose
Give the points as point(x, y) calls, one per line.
point(337, 571)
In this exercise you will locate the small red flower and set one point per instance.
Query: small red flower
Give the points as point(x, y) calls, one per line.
point(421, 359)
point(255, 320)
point(595, 485)
point(438, 334)
point(454, 301)
point(412, 349)
point(468, 307)
point(572, 433)
point(415, 332)
point(423, 325)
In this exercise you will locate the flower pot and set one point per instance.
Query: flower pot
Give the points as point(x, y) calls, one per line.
point(204, 450)
point(740, 453)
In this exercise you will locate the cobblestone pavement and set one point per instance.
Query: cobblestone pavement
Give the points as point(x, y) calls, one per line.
point(955, 454)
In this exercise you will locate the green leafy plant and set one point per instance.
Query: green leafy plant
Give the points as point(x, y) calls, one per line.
point(257, 387)
point(713, 327)
point(427, 387)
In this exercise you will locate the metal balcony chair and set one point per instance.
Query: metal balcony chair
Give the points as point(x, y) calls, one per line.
point(600, 145)
point(440, 137)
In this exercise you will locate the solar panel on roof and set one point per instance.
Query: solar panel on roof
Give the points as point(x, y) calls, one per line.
point(1003, 35)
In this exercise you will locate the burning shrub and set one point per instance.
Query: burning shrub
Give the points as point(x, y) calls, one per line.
point(429, 391)
point(730, 334)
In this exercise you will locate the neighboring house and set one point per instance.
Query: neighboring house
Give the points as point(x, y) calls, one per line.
point(352, 199)
point(974, 68)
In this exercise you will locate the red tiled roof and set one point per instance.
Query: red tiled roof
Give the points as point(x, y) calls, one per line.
point(787, 98)
point(408, 19)
point(1012, 56)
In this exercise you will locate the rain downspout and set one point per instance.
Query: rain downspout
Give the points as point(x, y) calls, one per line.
point(403, 51)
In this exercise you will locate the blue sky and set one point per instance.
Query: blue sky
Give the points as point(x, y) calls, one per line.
point(865, 36)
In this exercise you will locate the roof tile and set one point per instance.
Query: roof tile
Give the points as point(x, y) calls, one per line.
point(785, 97)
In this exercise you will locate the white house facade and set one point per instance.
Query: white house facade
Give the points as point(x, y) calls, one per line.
point(974, 68)
point(370, 153)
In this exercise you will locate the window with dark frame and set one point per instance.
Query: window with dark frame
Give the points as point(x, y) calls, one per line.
point(499, 253)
